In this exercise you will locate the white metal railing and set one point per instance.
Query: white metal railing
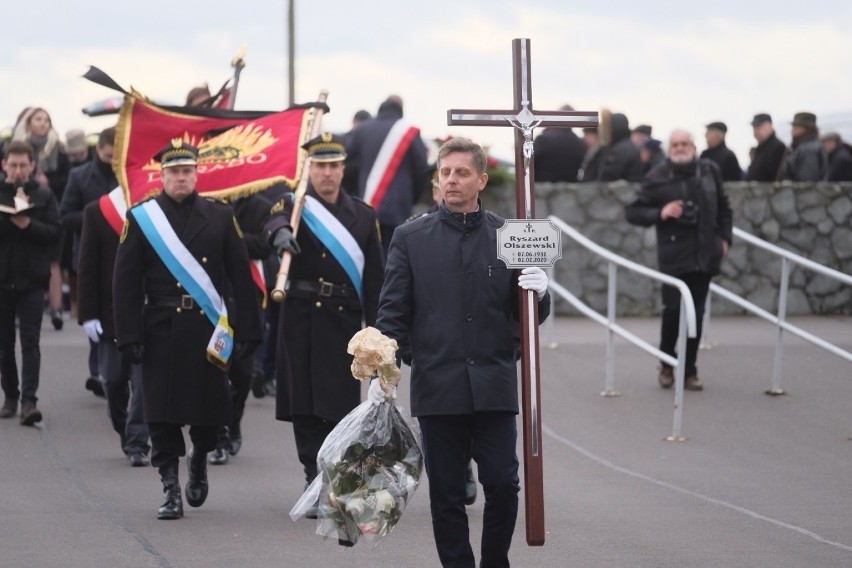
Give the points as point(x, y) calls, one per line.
point(687, 318)
point(779, 320)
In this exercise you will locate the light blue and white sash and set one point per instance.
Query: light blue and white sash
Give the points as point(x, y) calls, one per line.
point(194, 279)
point(337, 239)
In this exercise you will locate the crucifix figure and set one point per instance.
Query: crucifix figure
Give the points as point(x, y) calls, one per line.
point(524, 120)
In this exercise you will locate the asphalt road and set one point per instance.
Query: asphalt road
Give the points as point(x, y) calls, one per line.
point(759, 482)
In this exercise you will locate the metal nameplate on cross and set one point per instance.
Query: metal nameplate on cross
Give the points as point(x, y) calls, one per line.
point(523, 118)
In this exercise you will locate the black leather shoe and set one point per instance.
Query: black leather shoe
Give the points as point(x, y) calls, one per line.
point(172, 508)
point(257, 380)
point(196, 488)
point(94, 384)
point(219, 456)
point(138, 460)
point(236, 444)
point(469, 486)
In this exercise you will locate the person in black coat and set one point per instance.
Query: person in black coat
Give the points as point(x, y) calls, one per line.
point(558, 154)
point(334, 282)
point(684, 198)
point(616, 157)
point(27, 243)
point(251, 213)
point(121, 380)
point(87, 183)
point(718, 152)
point(162, 324)
point(452, 307)
point(839, 158)
point(769, 153)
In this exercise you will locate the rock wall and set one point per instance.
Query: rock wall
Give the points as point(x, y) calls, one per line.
point(812, 220)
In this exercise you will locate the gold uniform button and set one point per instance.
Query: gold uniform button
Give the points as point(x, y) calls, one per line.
point(323, 255)
point(201, 312)
point(178, 285)
point(320, 279)
point(177, 310)
point(339, 308)
point(319, 304)
point(204, 259)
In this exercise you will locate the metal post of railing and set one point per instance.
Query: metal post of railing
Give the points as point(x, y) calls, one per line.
point(547, 327)
point(680, 372)
point(776, 389)
point(611, 293)
point(706, 342)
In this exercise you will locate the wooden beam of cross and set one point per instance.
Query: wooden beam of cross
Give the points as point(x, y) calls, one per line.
point(524, 121)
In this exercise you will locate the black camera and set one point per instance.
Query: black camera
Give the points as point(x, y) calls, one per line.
point(690, 213)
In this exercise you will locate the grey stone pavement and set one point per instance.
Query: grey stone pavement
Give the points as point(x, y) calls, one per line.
point(760, 481)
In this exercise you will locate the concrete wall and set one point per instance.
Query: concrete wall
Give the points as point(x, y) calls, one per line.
point(813, 220)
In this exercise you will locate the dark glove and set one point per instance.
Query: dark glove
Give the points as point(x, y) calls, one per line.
point(133, 352)
point(244, 349)
point(284, 240)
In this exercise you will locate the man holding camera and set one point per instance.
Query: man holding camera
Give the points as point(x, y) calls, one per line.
point(686, 201)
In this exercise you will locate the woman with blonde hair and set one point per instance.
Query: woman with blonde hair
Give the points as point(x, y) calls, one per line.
point(52, 166)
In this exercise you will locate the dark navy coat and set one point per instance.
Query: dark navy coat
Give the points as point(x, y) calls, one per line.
point(449, 301)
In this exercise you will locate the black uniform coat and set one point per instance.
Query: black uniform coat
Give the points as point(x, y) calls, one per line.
point(313, 367)
point(98, 246)
point(179, 385)
point(685, 247)
point(446, 290)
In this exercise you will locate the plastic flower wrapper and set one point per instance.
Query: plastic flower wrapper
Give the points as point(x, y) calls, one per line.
point(370, 464)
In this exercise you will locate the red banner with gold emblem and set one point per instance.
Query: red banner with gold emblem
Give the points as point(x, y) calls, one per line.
point(240, 152)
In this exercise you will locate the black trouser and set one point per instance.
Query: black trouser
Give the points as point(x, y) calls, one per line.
point(310, 433)
point(123, 389)
point(447, 445)
point(28, 306)
point(239, 378)
point(699, 284)
point(167, 445)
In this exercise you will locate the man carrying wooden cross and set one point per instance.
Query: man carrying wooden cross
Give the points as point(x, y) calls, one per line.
point(449, 301)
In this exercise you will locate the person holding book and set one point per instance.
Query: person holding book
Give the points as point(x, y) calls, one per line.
point(30, 229)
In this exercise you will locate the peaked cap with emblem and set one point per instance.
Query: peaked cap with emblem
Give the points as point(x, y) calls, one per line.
point(326, 147)
point(177, 153)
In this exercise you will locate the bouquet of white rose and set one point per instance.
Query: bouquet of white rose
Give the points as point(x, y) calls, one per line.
point(370, 464)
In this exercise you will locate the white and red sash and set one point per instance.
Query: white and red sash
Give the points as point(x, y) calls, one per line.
point(114, 208)
point(387, 163)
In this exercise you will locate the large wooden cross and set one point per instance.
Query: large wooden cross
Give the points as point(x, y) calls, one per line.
point(522, 118)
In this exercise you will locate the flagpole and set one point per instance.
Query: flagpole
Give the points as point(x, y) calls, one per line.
point(238, 63)
point(278, 292)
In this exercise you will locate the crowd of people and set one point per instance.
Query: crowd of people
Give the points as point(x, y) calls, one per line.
point(150, 282)
point(613, 151)
point(180, 266)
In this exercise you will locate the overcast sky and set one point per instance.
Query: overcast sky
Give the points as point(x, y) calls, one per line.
point(660, 65)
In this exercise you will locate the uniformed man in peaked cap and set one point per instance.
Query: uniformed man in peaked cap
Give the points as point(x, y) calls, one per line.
point(334, 284)
point(180, 253)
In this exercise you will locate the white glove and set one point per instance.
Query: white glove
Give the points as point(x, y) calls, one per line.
point(533, 278)
point(93, 329)
point(377, 395)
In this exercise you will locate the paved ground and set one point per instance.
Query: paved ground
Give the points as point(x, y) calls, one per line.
point(760, 482)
